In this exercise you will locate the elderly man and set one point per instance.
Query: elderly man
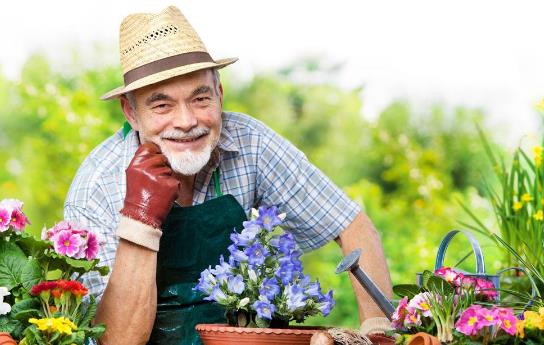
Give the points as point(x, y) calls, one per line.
point(166, 192)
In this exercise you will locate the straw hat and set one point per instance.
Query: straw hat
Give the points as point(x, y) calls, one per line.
point(156, 47)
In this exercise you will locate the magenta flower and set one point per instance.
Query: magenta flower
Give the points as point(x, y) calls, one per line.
point(506, 319)
point(397, 320)
point(92, 246)
point(450, 275)
point(18, 219)
point(66, 243)
point(470, 321)
point(5, 219)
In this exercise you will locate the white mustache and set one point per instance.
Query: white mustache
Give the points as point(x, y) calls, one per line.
point(181, 135)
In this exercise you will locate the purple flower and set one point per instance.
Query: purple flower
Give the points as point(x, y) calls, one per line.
point(264, 309)
point(206, 282)
point(268, 217)
point(313, 289)
point(223, 270)
point(235, 284)
point(286, 243)
point(237, 255)
point(256, 254)
point(295, 297)
point(326, 303)
point(67, 243)
point(269, 288)
point(286, 273)
point(216, 295)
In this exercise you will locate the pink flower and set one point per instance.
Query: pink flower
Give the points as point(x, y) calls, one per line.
point(412, 318)
point(397, 320)
point(470, 321)
point(422, 302)
point(450, 275)
point(67, 243)
point(506, 319)
point(92, 246)
point(12, 213)
point(485, 288)
point(5, 219)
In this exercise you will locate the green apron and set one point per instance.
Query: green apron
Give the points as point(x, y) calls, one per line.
point(193, 238)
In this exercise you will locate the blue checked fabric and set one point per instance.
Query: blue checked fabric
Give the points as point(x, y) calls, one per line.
point(257, 166)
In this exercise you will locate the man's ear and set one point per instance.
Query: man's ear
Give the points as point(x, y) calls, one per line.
point(130, 114)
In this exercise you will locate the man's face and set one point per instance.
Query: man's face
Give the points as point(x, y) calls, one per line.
point(183, 116)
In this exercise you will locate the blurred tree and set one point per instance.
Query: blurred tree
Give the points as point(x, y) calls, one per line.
point(405, 168)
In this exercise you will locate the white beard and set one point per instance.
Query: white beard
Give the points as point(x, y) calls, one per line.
point(188, 163)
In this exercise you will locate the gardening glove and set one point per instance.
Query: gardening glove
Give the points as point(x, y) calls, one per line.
point(151, 187)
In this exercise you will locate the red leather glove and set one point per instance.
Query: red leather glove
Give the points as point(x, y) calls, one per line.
point(151, 186)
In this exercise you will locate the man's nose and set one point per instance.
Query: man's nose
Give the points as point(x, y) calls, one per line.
point(184, 119)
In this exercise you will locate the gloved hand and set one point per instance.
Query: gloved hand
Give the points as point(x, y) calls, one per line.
point(151, 186)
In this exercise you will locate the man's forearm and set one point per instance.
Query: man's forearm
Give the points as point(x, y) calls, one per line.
point(129, 303)
point(362, 234)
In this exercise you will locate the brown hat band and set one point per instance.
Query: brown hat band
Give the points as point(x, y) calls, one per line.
point(166, 64)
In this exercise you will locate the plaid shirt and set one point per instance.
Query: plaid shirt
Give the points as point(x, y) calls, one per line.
point(257, 166)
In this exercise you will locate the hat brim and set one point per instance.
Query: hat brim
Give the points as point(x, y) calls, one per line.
point(164, 75)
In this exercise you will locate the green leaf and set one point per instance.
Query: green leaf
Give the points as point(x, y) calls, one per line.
point(439, 285)
point(7, 324)
point(16, 270)
point(88, 314)
point(33, 246)
point(262, 323)
point(425, 277)
point(408, 290)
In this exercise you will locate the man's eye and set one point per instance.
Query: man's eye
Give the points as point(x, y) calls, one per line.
point(202, 99)
point(160, 106)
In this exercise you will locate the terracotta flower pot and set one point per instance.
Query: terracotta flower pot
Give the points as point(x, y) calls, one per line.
point(423, 338)
point(6, 339)
point(222, 334)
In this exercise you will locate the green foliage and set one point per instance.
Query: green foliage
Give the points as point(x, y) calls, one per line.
point(406, 168)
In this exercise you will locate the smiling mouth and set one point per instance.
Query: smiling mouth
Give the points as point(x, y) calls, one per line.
point(185, 140)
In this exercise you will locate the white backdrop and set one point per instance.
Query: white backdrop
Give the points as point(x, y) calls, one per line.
point(487, 54)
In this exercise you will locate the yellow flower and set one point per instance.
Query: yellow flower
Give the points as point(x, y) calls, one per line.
point(58, 324)
point(520, 328)
point(539, 215)
point(517, 206)
point(533, 320)
point(526, 197)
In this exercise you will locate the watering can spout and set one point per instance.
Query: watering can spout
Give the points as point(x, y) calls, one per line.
point(351, 263)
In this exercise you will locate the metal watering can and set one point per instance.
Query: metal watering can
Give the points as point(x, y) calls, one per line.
point(351, 263)
point(476, 249)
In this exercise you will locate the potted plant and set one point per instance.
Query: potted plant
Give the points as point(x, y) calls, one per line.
point(40, 304)
point(262, 287)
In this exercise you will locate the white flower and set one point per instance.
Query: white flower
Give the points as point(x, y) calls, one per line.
point(254, 213)
point(243, 302)
point(4, 307)
point(252, 275)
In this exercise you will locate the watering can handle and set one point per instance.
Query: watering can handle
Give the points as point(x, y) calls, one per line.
point(480, 265)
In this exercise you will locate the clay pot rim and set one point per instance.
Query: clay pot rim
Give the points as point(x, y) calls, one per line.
point(224, 328)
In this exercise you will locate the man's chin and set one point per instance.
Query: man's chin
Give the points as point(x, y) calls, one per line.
point(188, 163)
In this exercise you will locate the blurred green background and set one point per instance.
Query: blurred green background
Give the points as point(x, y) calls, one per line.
point(409, 170)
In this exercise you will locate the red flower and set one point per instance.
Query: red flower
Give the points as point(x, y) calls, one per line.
point(42, 287)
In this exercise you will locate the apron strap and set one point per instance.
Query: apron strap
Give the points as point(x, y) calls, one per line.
point(215, 177)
